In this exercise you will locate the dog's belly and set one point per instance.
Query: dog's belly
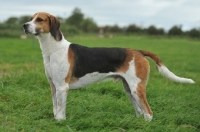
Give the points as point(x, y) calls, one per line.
point(89, 79)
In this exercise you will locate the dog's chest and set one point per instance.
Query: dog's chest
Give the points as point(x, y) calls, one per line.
point(57, 65)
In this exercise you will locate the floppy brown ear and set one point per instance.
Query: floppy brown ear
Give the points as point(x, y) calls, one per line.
point(55, 28)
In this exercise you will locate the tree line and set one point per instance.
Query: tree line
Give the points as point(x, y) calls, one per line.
point(77, 23)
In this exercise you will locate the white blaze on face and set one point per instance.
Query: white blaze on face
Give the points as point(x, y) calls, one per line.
point(32, 26)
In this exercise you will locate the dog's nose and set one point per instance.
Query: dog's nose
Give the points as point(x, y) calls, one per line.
point(25, 25)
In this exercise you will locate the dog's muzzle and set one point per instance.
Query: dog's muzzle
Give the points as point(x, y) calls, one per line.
point(25, 26)
point(27, 29)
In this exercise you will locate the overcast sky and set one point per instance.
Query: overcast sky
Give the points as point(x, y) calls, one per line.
point(161, 13)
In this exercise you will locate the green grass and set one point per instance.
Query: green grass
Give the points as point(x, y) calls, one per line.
point(26, 104)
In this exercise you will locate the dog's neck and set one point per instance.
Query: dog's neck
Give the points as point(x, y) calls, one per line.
point(49, 45)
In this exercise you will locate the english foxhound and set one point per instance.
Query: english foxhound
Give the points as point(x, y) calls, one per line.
point(71, 66)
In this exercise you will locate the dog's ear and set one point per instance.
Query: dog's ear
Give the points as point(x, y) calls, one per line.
point(55, 28)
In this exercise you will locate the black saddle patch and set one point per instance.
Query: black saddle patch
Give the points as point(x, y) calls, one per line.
point(102, 60)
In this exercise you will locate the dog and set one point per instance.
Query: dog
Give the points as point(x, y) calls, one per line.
point(71, 66)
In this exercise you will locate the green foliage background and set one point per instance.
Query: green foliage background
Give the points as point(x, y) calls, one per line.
point(77, 23)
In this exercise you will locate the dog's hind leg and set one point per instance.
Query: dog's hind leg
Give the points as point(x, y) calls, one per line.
point(133, 101)
point(137, 95)
point(138, 90)
point(140, 94)
point(136, 78)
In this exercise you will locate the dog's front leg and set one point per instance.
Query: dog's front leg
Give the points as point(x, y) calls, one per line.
point(61, 97)
point(53, 93)
point(52, 87)
point(59, 70)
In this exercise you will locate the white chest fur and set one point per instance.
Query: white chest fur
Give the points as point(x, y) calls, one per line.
point(55, 57)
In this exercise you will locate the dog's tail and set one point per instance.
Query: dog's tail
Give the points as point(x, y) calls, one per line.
point(164, 70)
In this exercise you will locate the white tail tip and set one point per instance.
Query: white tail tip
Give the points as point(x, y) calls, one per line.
point(168, 74)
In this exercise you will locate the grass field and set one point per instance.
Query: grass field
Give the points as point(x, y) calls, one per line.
point(25, 98)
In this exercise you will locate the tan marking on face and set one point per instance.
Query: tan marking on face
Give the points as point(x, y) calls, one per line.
point(33, 16)
point(42, 22)
point(47, 23)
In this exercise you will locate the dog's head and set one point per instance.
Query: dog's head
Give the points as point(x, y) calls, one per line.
point(43, 22)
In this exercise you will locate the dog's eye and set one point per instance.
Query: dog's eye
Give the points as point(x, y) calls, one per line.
point(39, 19)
